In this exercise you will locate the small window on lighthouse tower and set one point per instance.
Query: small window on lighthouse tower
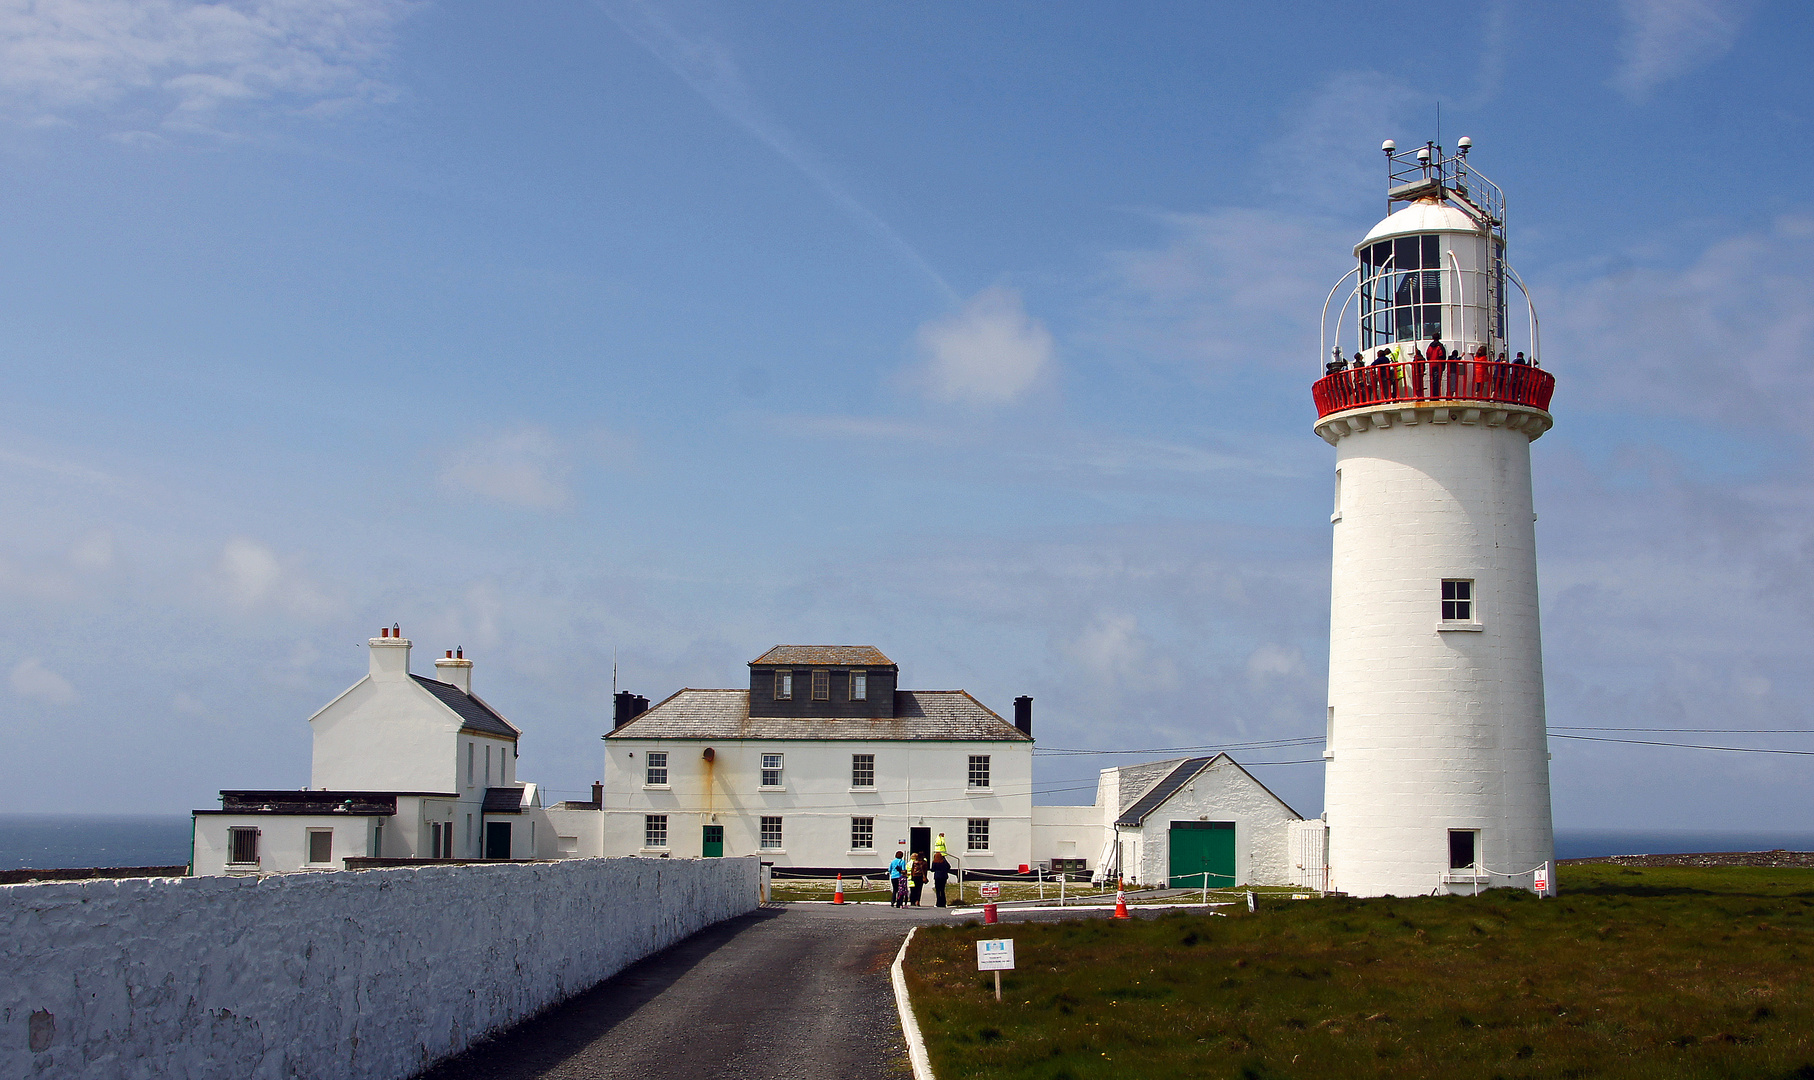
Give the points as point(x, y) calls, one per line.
point(1457, 600)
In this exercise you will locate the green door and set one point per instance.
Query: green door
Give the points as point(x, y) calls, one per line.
point(1199, 847)
point(714, 842)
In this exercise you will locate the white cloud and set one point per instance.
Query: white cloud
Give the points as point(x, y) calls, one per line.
point(1664, 39)
point(184, 61)
point(93, 552)
point(1269, 662)
point(1730, 336)
point(989, 353)
point(33, 680)
point(1329, 156)
point(251, 576)
point(525, 466)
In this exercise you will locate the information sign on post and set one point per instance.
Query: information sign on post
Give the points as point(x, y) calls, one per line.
point(1542, 882)
point(995, 955)
point(991, 890)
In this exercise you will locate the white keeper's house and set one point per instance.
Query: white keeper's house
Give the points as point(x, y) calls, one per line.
point(824, 764)
point(821, 762)
point(405, 767)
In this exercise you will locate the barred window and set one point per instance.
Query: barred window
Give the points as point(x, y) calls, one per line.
point(863, 833)
point(784, 685)
point(979, 770)
point(655, 830)
point(1457, 600)
point(859, 686)
point(821, 686)
point(862, 770)
point(978, 834)
point(655, 767)
point(771, 771)
point(771, 834)
point(242, 845)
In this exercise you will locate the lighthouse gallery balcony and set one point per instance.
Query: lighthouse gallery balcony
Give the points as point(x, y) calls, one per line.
point(1423, 381)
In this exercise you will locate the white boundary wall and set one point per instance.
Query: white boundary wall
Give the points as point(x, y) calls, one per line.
point(370, 974)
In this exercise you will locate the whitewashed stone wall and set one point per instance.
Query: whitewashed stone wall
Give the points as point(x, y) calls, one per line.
point(365, 974)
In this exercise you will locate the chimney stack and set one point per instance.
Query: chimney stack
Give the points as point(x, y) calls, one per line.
point(454, 668)
point(390, 654)
point(625, 708)
point(598, 794)
point(1023, 714)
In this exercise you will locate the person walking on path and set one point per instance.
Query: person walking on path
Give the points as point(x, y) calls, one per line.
point(916, 878)
point(941, 872)
point(897, 879)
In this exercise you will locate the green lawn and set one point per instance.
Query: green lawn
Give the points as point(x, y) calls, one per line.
point(1664, 973)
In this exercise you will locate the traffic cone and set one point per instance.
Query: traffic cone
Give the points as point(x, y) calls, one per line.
point(1121, 905)
point(838, 897)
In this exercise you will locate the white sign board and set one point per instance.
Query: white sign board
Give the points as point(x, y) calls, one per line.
point(991, 891)
point(1542, 882)
point(996, 955)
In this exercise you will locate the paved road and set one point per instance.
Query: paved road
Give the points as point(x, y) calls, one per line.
point(785, 992)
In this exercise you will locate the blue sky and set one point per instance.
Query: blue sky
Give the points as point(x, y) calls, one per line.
point(668, 332)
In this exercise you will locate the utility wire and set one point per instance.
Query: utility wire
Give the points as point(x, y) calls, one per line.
point(1686, 746)
point(1268, 744)
point(1700, 730)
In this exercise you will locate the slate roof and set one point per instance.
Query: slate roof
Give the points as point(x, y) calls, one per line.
point(474, 714)
point(504, 800)
point(825, 656)
point(725, 714)
point(1155, 796)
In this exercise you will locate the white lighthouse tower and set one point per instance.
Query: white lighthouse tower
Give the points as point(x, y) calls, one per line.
point(1437, 761)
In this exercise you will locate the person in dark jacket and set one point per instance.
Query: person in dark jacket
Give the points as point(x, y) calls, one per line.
point(941, 872)
point(916, 878)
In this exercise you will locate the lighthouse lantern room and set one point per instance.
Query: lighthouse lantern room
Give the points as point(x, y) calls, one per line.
point(1436, 755)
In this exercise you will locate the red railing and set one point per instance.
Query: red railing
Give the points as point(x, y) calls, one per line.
point(1442, 380)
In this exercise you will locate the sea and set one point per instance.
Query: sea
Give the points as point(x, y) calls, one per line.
point(60, 841)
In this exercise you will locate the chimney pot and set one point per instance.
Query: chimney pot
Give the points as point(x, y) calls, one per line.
point(460, 653)
point(1023, 714)
point(450, 654)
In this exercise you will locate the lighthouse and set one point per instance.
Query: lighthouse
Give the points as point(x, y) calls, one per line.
point(1437, 764)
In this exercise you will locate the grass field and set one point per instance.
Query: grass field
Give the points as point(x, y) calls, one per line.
point(1664, 973)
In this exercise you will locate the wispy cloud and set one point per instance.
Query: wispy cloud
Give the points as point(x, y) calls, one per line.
point(525, 466)
point(253, 577)
point(31, 679)
point(990, 352)
point(183, 63)
point(1665, 39)
point(707, 65)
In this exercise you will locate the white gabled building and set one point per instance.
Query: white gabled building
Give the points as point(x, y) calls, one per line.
point(404, 767)
point(1171, 822)
point(822, 762)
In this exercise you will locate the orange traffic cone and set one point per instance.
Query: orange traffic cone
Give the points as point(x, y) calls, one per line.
point(1121, 905)
point(838, 897)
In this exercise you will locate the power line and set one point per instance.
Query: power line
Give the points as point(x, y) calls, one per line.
point(1700, 730)
point(1686, 746)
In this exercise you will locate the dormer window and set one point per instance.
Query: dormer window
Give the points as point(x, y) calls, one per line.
point(784, 685)
point(821, 686)
point(859, 686)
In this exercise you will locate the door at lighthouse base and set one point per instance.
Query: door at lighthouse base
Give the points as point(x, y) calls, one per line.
point(1202, 847)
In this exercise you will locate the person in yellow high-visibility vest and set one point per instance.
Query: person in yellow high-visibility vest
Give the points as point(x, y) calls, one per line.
point(938, 846)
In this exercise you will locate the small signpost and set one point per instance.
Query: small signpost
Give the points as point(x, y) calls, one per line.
point(991, 890)
point(995, 955)
point(1542, 882)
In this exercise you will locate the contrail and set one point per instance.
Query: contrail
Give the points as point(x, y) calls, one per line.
point(707, 67)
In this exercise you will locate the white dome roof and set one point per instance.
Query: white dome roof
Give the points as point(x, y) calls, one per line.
point(1421, 217)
